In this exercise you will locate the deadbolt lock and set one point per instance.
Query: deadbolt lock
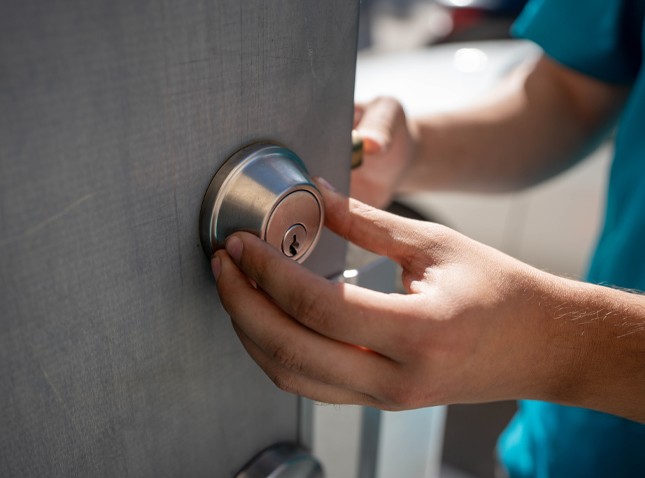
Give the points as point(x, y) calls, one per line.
point(263, 189)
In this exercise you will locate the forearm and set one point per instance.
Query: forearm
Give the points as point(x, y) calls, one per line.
point(595, 349)
point(537, 124)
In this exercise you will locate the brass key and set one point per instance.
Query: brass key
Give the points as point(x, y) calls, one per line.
point(357, 149)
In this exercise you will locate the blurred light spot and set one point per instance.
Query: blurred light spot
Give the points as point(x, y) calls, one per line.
point(462, 3)
point(350, 273)
point(470, 60)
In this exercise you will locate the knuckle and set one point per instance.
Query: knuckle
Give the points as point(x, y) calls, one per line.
point(392, 107)
point(401, 398)
point(396, 396)
point(359, 213)
point(287, 358)
point(284, 382)
point(310, 309)
point(260, 269)
point(401, 395)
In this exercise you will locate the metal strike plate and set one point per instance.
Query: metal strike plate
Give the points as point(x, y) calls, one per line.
point(266, 190)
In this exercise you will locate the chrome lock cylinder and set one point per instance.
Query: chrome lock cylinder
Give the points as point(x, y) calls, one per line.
point(263, 189)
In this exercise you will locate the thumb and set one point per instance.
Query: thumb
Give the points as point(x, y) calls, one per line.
point(370, 228)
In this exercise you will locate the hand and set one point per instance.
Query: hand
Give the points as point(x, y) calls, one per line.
point(471, 328)
point(388, 149)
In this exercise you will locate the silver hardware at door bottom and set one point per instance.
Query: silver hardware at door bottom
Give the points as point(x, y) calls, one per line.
point(284, 460)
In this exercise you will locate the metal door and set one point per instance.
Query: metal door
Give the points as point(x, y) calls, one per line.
point(116, 358)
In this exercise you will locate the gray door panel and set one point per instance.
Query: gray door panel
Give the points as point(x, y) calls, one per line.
point(116, 358)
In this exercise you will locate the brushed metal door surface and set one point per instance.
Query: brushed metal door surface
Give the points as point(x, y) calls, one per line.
point(116, 358)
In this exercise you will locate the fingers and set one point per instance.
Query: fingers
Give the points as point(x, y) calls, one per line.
point(376, 123)
point(339, 311)
point(373, 229)
point(280, 341)
point(358, 114)
point(292, 382)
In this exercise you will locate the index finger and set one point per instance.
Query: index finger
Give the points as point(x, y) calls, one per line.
point(406, 241)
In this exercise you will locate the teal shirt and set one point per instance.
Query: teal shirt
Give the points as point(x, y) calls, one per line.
point(603, 39)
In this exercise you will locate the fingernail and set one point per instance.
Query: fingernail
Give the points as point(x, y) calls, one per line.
point(234, 248)
point(216, 267)
point(324, 183)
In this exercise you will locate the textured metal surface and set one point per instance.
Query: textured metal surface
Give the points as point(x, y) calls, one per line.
point(116, 358)
point(264, 189)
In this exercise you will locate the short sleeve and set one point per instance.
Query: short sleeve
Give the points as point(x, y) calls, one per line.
point(599, 38)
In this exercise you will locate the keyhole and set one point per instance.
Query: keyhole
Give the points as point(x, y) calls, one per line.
point(294, 242)
point(293, 248)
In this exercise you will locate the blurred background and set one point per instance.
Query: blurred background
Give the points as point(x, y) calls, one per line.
point(440, 55)
point(388, 25)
